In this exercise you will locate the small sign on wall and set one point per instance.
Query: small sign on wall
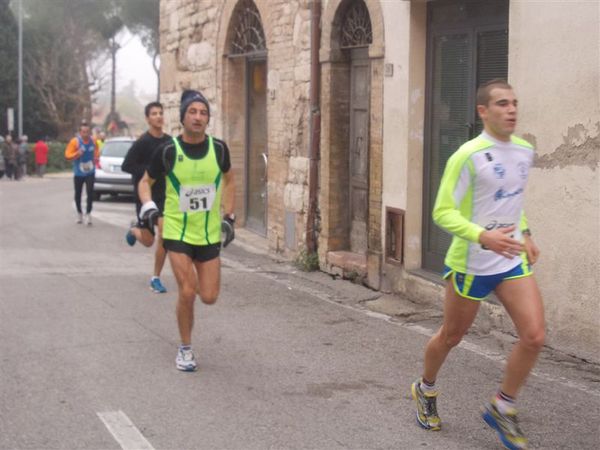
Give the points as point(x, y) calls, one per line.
point(388, 70)
point(10, 117)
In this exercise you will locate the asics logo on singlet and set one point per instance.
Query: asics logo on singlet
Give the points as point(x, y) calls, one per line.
point(501, 194)
point(198, 191)
point(494, 224)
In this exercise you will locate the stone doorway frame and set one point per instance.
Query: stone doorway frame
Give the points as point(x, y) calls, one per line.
point(231, 89)
point(335, 102)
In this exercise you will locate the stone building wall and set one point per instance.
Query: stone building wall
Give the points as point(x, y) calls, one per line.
point(194, 47)
point(563, 201)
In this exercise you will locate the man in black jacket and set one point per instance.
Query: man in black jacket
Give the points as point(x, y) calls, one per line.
point(136, 162)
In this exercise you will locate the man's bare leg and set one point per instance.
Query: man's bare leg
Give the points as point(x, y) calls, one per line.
point(209, 280)
point(459, 314)
point(185, 274)
point(160, 254)
point(522, 299)
point(143, 236)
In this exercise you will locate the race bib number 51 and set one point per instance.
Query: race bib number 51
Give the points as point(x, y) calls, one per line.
point(197, 198)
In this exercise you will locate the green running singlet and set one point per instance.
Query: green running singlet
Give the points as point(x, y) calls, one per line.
point(193, 198)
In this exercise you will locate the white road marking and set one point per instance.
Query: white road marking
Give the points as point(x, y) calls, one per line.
point(124, 431)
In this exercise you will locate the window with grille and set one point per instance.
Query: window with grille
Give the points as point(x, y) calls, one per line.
point(356, 26)
point(248, 34)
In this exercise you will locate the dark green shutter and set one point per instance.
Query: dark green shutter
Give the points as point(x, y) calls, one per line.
point(492, 60)
point(467, 45)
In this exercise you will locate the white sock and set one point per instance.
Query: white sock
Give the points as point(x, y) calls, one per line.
point(427, 388)
point(504, 405)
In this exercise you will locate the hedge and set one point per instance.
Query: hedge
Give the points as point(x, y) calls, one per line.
point(56, 158)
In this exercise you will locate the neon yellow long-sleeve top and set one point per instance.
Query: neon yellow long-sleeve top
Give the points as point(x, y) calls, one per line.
point(483, 189)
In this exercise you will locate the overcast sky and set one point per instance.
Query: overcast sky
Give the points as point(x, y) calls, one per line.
point(134, 63)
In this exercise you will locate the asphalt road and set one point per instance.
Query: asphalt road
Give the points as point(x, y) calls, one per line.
point(288, 360)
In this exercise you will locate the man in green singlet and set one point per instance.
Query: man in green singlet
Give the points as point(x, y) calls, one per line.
point(199, 183)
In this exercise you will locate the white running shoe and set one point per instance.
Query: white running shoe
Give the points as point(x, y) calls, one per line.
point(79, 218)
point(88, 219)
point(185, 360)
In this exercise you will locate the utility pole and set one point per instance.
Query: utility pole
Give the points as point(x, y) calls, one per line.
point(20, 69)
point(114, 48)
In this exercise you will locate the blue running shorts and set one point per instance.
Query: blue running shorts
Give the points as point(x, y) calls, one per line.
point(478, 287)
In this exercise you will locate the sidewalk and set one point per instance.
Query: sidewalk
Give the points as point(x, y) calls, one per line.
point(486, 338)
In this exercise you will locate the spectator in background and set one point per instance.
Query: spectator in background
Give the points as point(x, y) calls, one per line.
point(83, 152)
point(100, 140)
point(23, 155)
point(98, 136)
point(41, 157)
point(9, 151)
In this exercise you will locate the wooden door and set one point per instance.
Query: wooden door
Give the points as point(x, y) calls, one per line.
point(360, 89)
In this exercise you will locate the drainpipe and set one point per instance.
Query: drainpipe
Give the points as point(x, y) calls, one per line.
point(315, 126)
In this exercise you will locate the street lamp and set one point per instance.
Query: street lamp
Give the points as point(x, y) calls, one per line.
point(20, 69)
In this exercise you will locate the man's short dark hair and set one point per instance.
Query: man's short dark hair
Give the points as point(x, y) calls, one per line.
point(151, 105)
point(483, 93)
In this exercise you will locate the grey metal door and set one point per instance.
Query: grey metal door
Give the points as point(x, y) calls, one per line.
point(256, 146)
point(467, 46)
point(359, 149)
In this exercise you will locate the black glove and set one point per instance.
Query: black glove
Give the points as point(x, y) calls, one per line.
point(149, 215)
point(227, 231)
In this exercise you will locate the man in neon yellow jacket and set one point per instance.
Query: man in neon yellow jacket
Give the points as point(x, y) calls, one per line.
point(199, 184)
point(480, 202)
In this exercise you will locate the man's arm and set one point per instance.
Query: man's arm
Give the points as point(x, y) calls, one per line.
point(531, 249)
point(446, 211)
point(228, 199)
point(228, 193)
point(72, 151)
point(131, 162)
point(145, 188)
point(149, 213)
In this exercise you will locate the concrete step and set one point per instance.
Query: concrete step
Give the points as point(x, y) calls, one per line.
point(347, 264)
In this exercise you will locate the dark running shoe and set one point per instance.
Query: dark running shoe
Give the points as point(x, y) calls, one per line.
point(427, 415)
point(507, 427)
point(157, 286)
point(130, 238)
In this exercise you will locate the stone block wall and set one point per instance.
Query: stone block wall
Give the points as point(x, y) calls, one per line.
point(194, 48)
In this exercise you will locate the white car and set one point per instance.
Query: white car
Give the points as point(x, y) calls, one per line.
point(110, 179)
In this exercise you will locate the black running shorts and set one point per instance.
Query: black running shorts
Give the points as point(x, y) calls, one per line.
point(200, 253)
